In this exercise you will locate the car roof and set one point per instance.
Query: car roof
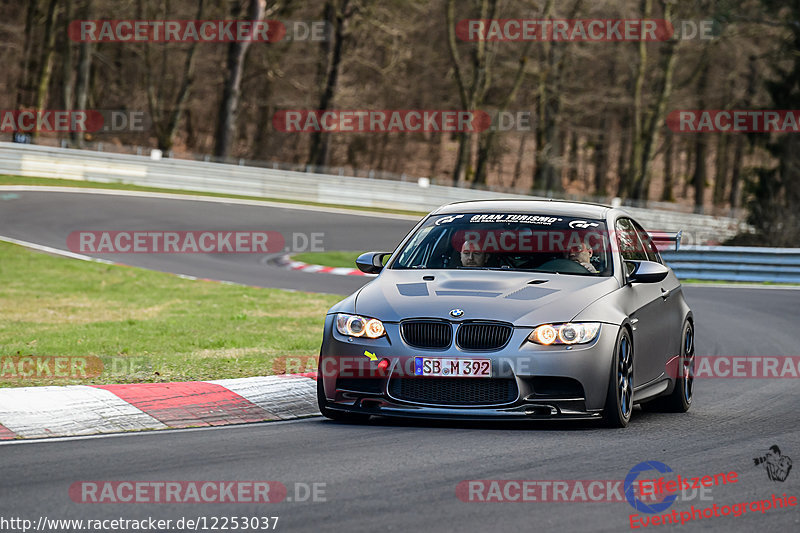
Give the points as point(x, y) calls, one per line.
point(537, 207)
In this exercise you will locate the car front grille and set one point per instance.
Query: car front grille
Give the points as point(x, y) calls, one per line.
point(427, 333)
point(454, 391)
point(483, 336)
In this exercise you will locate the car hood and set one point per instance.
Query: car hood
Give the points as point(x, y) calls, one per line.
point(522, 298)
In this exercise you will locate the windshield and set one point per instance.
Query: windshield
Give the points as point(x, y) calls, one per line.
point(509, 241)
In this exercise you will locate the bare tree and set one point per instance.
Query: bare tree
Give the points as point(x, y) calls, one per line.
point(166, 111)
point(486, 140)
point(470, 92)
point(646, 124)
point(549, 97)
point(337, 13)
point(24, 82)
point(82, 79)
point(229, 105)
point(46, 64)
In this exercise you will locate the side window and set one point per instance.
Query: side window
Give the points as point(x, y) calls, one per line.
point(630, 248)
point(649, 245)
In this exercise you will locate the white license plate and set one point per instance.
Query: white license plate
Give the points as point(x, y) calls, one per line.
point(453, 368)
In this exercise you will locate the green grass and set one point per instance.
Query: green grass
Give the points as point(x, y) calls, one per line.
point(149, 326)
point(331, 259)
point(52, 182)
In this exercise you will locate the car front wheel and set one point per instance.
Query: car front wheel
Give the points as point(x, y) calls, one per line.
point(619, 399)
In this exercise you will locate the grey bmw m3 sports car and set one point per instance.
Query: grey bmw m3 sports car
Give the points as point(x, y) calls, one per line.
point(512, 309)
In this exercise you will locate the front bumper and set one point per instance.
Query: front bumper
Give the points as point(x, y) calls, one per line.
point(546, 381)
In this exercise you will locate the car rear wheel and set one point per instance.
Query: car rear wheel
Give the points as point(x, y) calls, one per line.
point(322, 402)
point(680, 400)
point(619, 399)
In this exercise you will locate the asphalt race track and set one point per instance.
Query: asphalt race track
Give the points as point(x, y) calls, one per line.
point(47, 218)
point(402, 476)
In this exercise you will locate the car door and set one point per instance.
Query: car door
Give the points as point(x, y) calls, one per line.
point(644, 307)
point(671, 318)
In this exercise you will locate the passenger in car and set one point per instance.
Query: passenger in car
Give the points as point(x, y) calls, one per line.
point(582, 254)
point(472, 255)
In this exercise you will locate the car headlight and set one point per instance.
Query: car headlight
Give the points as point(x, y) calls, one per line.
point(569, 333)
point(359, 326)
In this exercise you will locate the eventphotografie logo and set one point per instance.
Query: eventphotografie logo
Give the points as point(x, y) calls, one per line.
point(666, 491)
point(630, 484)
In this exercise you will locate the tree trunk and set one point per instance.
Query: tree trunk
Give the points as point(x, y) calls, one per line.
point(654, 122)
point(229, 106)
point(66, 62)
point(601, 162)
point(520, 159)
point(738, 154)
point(486, 140)
point(669, 154)
point(167, 137)
point(24, 82)
point(549, 148)
point(699, 178)
point(573, 162)
point(337, 16)
point(624, 149)
point(691, 157)
point(637, 137)
point(46, 65)
point(721, 170)
point(470, 95)
point(82, 80)
point(734, 199)
point(261, 141)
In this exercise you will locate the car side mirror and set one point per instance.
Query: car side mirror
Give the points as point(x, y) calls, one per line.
point(646, 271)
point(371, 262)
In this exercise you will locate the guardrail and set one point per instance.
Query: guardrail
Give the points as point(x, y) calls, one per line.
point(64, 163)
point(735, 263)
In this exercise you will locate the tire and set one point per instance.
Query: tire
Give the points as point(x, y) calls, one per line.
point(680, 399)
point(322, 402)
point(619, 398)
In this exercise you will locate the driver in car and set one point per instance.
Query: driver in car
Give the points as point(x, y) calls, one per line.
point(472, 255)
point(582, 254)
